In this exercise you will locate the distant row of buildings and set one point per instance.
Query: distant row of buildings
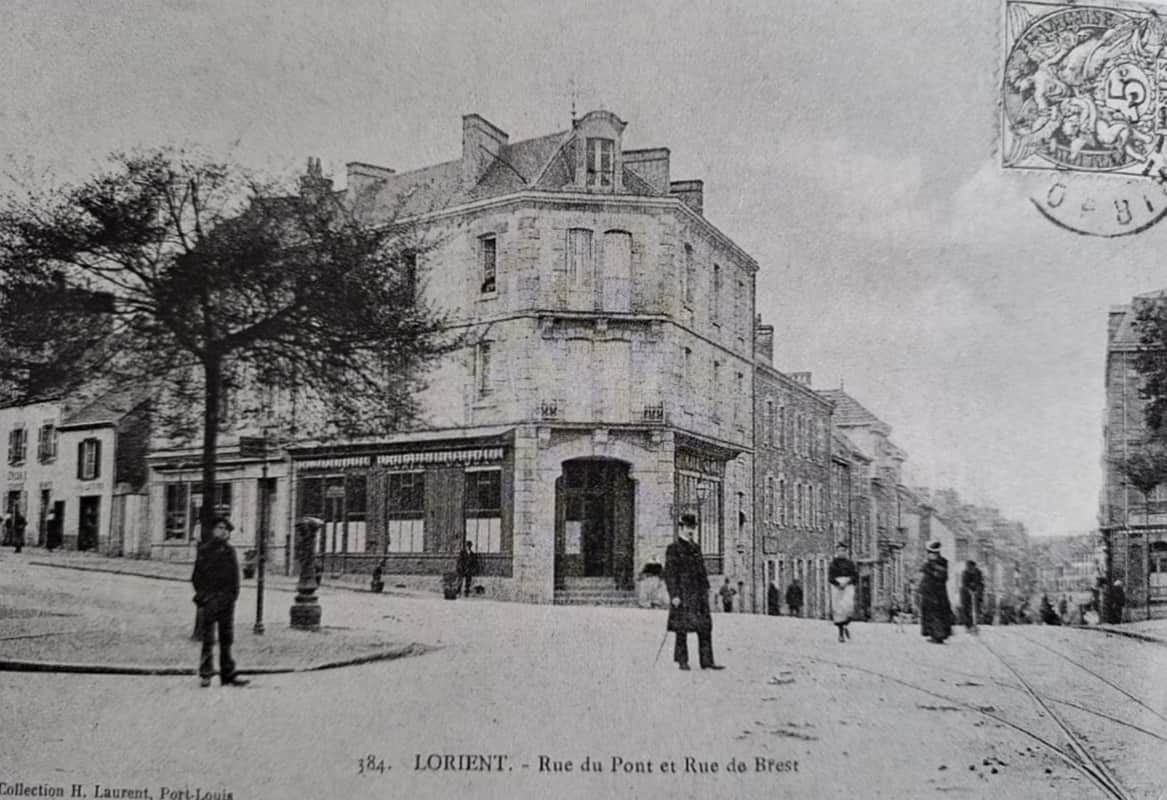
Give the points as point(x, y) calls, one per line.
point(616, 374)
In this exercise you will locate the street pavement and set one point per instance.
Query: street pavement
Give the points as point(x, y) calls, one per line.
point(510, 700)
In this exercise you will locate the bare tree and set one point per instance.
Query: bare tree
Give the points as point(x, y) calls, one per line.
point(192, 278)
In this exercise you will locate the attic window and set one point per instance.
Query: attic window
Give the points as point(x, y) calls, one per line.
point(601, 163)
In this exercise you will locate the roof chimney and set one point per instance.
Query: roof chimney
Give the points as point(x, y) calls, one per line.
point(801, 377)
point(691, 193)
point(481, 144)
point(651, 166)
point(763, 342)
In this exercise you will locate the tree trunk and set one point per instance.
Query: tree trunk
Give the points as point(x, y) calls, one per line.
point(212, 371)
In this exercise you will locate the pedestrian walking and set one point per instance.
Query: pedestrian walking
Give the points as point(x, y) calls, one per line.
point(19, 526)
point(467, 565)
point(773, 600)
point(688, 587)
point(727, 592)
point(935, 610)
point(216, 585)
point(842, 575)
point(972, 591)
point(1064, 609)
point(794, 598)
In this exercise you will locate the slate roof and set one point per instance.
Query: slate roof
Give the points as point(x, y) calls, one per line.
point(107, 409)
point(531, 164)
point(848, 410)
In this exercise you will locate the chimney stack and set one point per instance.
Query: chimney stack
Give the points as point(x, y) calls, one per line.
point(691, 193)
point(313, 184)
point(481, 143)
point(763, 342)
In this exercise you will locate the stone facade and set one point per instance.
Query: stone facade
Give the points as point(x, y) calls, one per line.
point(602, 387)
point(86, 464)
point(1134, 527)
point(793, 502)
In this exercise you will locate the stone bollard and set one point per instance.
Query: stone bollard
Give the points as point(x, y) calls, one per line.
point(306, 608)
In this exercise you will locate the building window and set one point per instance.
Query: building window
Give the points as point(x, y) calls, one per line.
point(617, 284)
point(688, 276)
point(405, 512)
point(222, 504)
point(176, 504)
point(89, 459)
point(488, 262)
point(46, 446)
point(770, 423)
point(739, 382)
point(782, 502)
point(579, 256)
point(715, 297)
point(782, 427)
point(768, 499)
point(601, 163)
point(482, 386)
point(483, 510)
point(17, 446)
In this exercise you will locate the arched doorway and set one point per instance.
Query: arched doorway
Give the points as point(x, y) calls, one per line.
point(593, 523)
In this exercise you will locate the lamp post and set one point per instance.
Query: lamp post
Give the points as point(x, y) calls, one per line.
point(701, 490)
point(256, 447)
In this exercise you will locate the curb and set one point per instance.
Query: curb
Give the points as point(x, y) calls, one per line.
point(1142, 637)
point(267, 586)
point(8, 665)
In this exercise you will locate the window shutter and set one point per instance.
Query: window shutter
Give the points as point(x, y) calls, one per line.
point(80, 460)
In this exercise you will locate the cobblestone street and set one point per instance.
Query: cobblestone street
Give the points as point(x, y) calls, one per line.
point(537, 690)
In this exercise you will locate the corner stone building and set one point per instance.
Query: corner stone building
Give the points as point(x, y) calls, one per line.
point(605, 386)
point(1133, 527)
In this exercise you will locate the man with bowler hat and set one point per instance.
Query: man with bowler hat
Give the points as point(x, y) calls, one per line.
point(216, 585)
point(688, 587)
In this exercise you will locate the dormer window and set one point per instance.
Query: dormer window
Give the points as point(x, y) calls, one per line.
point(601, 161)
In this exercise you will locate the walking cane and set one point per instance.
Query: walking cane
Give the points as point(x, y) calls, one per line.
point(664, 639)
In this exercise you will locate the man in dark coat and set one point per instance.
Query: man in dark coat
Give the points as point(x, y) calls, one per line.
point(19, 526)
point(688, 587)
point(935, 610)
point(794, 598)
point(972, 591)
point(216, 585)
point(467, 565)
point(773, 600)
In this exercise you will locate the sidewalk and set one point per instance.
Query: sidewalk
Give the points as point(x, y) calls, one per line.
point(80, 612)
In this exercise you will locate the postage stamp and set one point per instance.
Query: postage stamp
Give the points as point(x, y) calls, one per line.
point(1084, 97)
point(1084, 87)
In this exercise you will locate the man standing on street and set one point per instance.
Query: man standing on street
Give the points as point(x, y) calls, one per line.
point(972, 591)
point(467, 565)
point(727, 592)
point(688, 587)
point(794, 598)
point(216, 585)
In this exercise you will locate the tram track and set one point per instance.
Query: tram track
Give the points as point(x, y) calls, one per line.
point(1075, 753)
point(1083, 759)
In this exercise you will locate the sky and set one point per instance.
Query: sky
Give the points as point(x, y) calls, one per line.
point(849, 147)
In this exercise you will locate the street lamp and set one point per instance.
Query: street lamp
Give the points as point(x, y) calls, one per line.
point(702, 489)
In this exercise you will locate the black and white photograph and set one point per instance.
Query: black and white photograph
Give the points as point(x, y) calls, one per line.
point(667, 399)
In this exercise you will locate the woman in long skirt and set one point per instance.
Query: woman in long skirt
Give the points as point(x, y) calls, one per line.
point(842, 576)
point(935, 611)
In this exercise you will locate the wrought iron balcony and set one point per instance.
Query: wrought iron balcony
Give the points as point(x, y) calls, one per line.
point(653, 412)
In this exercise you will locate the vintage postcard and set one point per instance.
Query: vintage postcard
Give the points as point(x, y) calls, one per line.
point(555, 400)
